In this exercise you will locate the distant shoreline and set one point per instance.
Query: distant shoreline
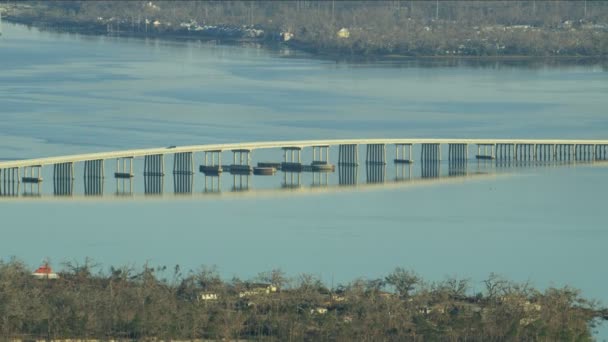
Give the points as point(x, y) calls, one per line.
point(94, 29)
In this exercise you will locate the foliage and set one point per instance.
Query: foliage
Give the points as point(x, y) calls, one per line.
point(399, 27)
point(130, 303)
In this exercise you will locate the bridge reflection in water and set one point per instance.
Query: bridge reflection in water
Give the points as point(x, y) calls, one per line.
point(183, 183)
point(154, 184)
point(24, 178)
point(348, 174)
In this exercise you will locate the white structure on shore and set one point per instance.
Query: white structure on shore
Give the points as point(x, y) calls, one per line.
point(45, 272)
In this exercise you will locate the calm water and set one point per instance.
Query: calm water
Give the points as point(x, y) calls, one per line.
point(64, 94)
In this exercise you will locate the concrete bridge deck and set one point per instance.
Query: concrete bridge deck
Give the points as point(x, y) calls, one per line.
point(134, 153)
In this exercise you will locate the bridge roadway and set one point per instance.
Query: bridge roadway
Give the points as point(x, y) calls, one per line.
point(283, 144)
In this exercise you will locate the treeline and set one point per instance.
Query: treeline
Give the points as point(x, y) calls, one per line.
point(399, 27)
point(146, 303)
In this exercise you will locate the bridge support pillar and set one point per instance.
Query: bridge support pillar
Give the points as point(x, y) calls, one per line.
point(430, 152)
point(63, 171)
point(321, 163)
point(9, 181)
point(539, 152)
point(506, 152)
point(154, 174)
point(376, 154)
point(565, 152)
point(457, 158)
point(94, 169)
point(292, 159)
point(122, 171)
point(63, 179)
point(406, 156)
point(602, 151)
point(572, 152)
point(323, 157)
point(183, 163)
point(154, 165)
point(212, 167)
point(458, 151)
point(348, 154)
point(94, 173)
point(544, 152)
point(583, 152)
point(486, 151)
point(524, 152)
point(595, 152)
point(32, 174)
point(241, 162)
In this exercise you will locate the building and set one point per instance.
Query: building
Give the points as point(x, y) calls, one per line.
point(343, 33)
point(45, 272)
point(207, 296)
point(286, 36)
point(258, 289)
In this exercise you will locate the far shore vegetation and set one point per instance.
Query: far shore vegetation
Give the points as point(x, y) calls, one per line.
point(86, 301)
point(397, 28)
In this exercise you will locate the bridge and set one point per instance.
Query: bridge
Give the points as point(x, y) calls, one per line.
point(406, 151)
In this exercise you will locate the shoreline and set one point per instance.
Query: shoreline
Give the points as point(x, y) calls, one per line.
point(298, 46)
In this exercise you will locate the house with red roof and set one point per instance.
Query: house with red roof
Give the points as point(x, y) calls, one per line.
point(45, 272)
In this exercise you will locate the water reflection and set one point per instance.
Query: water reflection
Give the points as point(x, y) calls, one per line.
point(64, 185)
point(457, 167)
point(403, 171)
point(154, 185)
point(376, 173)
point(496, 64)
point(320, 179)
point(124, 186)
point(183, 183)
point(93, 186)
point(291, 180)
point(347, 174)
point(213, 184)
point(32, 190)
point(240, 182)
point(430, 168)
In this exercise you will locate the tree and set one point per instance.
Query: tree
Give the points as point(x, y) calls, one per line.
point(403, 281)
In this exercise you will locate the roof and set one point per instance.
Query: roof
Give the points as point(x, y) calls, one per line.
point(45, 272)
point(44, 269)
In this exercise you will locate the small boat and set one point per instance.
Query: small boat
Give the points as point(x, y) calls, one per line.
point(45, 272)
